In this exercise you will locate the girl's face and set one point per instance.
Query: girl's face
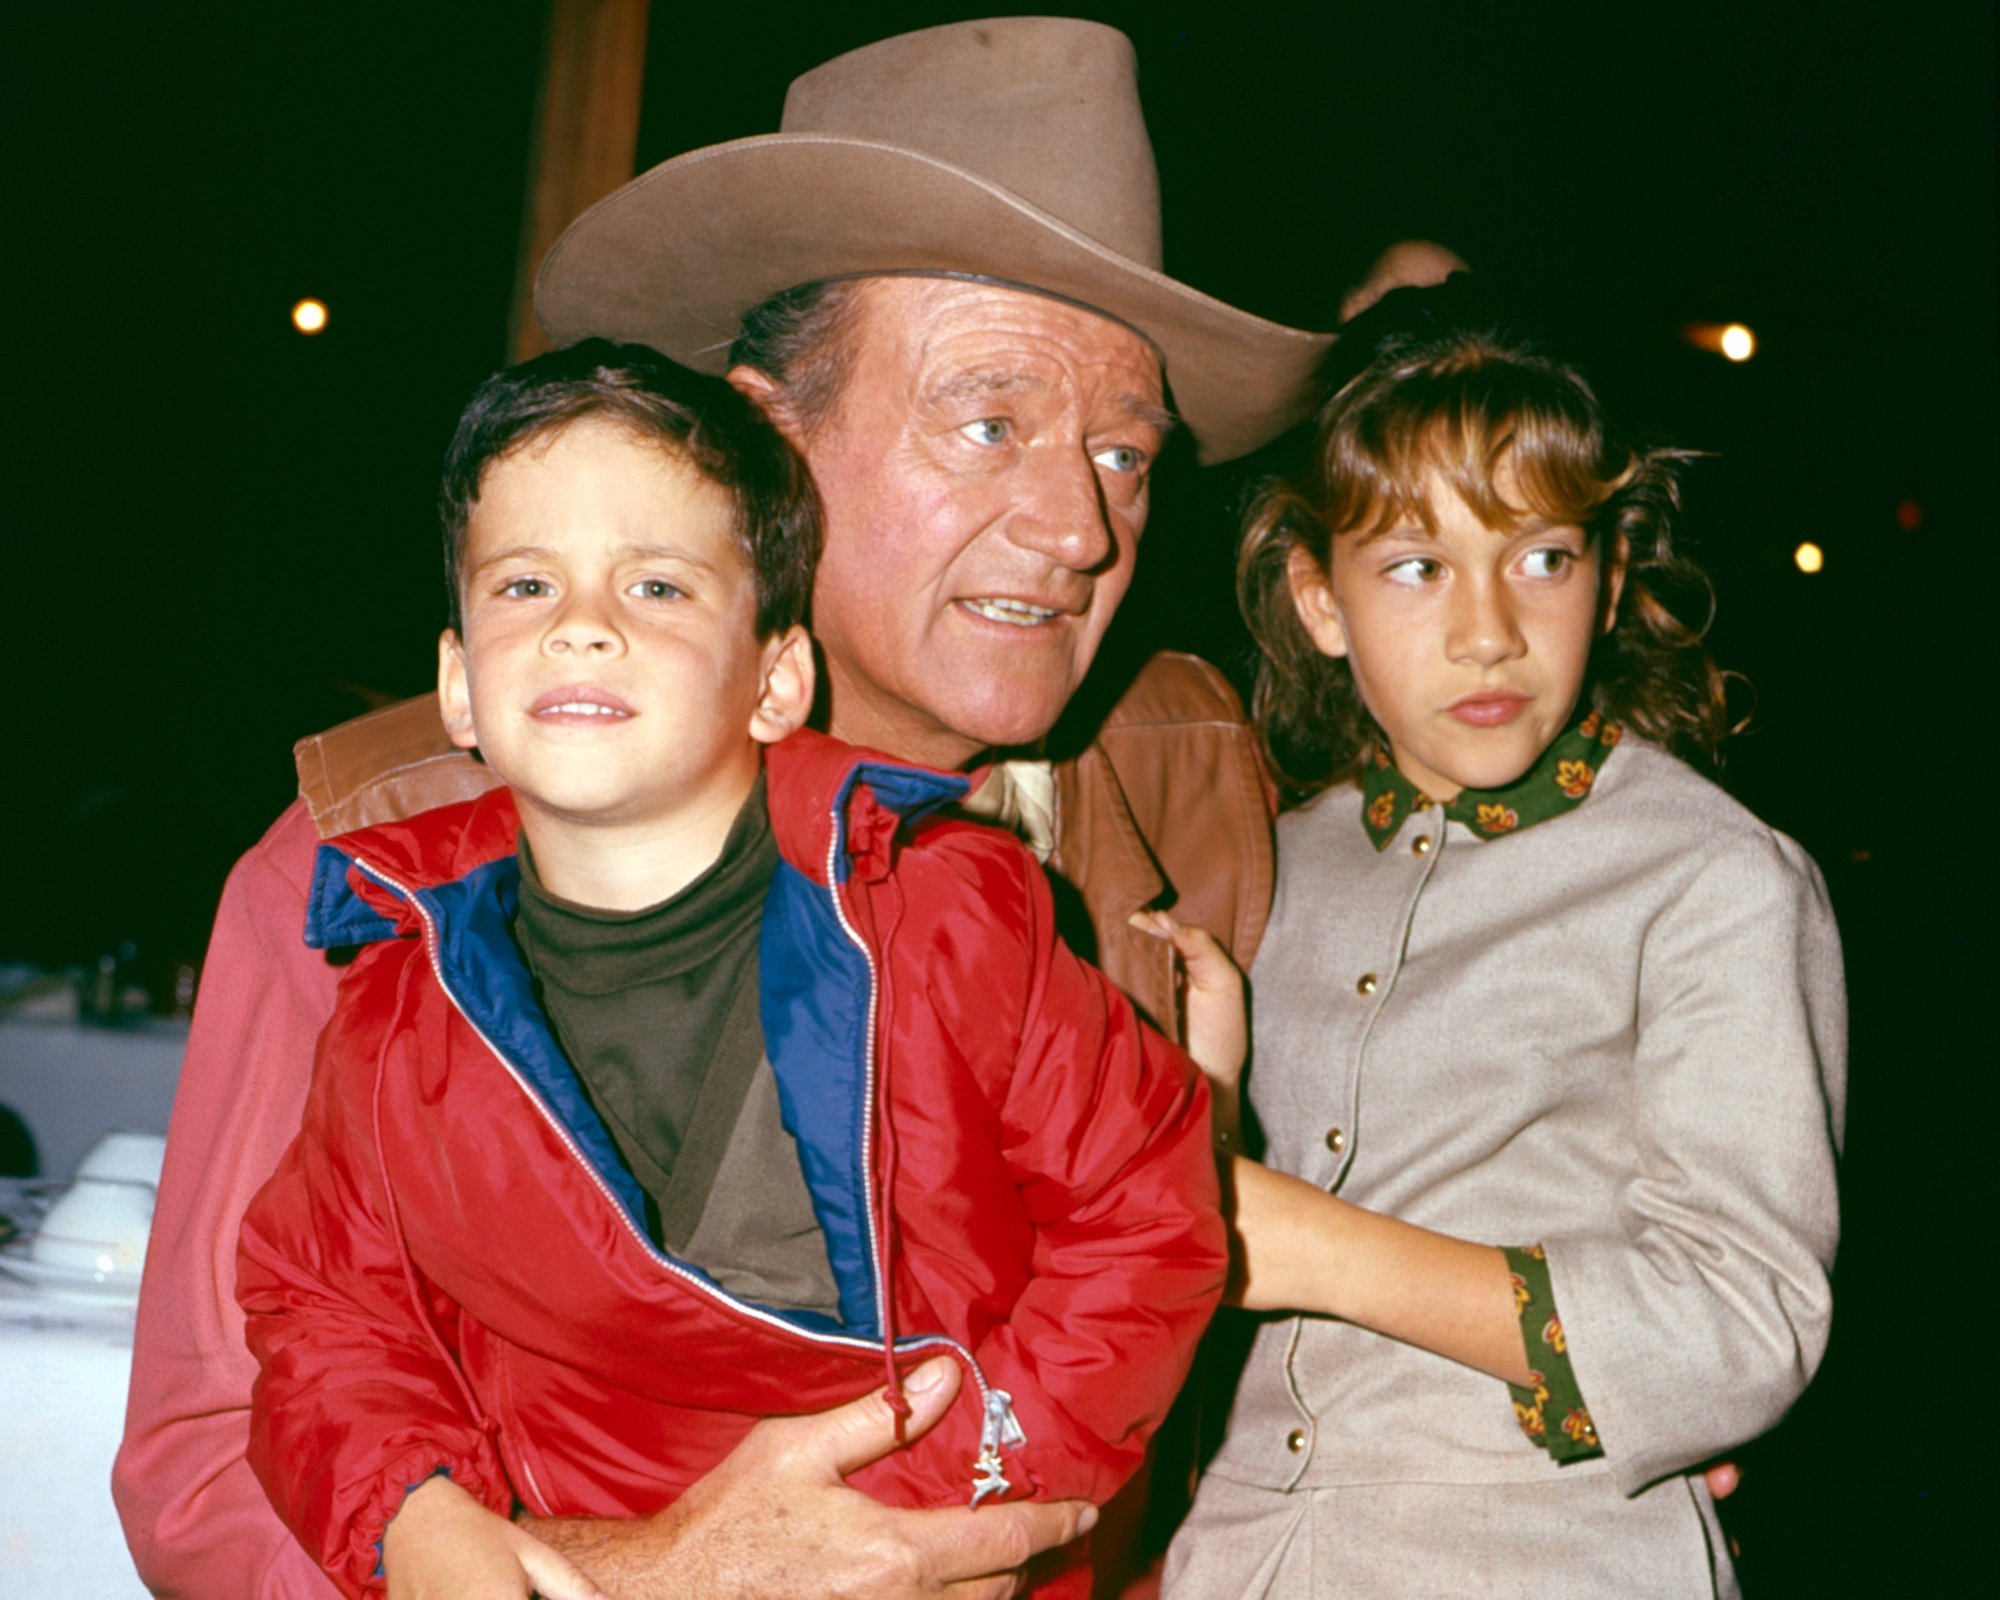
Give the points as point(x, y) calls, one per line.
point(1468, 646)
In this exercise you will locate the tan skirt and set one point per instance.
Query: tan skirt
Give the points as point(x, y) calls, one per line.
point(1576, 1539)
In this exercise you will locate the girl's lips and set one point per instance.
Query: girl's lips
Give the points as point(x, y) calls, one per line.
point(1489, 710)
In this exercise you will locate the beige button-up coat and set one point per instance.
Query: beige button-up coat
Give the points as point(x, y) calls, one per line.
point(1620, 1033)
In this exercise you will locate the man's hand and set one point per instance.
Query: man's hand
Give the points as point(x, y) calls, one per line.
point(774, 1519)
point(444, 1545)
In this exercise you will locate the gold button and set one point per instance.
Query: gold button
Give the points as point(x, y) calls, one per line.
point(1336, 1141)
point(1368, 984)
point(1295, 1441)
point(1421, 845)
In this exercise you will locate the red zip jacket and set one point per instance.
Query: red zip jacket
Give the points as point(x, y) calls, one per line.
point(450, 1270)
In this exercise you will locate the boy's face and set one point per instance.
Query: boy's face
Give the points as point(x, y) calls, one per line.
point(1468, 646)
point(610, 670)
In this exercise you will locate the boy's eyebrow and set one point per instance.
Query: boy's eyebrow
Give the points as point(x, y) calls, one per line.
point(625, 552)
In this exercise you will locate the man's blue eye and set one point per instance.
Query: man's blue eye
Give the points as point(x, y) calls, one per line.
point(1121, 458)
point(987, 430)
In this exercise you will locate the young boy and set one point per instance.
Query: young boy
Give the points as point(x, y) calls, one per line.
point(694, 1077)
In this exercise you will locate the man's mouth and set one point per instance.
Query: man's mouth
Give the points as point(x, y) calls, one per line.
point(1019, 613)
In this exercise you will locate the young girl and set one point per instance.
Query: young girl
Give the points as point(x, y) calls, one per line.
point(1549, 1032)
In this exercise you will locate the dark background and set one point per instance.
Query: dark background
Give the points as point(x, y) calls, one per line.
point(220, 538)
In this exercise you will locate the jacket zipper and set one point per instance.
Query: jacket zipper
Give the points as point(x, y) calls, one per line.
point(998, 1427)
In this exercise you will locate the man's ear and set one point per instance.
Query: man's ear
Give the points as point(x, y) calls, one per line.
point(786, 698)
point(1617, 556)
point(768, 396)
point(1312, 594)
point(454, 694)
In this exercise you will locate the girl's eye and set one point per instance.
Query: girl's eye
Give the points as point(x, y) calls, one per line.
point(1413, 571)
point(988, 430)
point(1121, 458)
point(1547, 563)
point(655, 589)
point(527, 589)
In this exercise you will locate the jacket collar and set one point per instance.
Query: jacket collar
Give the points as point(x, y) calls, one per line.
point(833, 806)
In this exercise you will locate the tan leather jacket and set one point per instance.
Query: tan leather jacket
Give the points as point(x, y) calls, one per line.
point(1167, 805)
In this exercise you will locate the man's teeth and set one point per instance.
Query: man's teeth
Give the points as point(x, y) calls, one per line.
point(584, 708)
point(1018, 612)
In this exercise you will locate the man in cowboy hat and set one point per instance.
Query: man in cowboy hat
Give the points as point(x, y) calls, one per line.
point(963, 327)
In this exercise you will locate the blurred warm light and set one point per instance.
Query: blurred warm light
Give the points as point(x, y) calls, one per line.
point(1730, 339)
point(309, 316)
point(1809, 556)
point(1909, 515)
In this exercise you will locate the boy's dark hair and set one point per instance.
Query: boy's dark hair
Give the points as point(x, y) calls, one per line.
point(1454, 402)
point(699, 418)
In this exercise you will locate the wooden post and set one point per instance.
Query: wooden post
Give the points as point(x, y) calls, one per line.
point(585, 137)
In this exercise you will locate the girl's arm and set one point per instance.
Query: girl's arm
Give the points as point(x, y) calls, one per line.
point(1302, 1249)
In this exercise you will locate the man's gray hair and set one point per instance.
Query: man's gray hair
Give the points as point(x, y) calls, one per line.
point(801, 339)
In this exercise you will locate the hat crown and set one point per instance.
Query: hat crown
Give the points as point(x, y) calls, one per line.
point(1045, 107)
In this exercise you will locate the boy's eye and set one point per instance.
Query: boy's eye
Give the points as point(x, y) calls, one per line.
point(527, 589)
point(655, 589)
point(988, 430)
point(1546, 563)
point(1121, 458)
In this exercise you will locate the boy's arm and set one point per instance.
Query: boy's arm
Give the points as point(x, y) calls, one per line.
point(1106, 1131)
point(197, 1521)
point(357, 1400)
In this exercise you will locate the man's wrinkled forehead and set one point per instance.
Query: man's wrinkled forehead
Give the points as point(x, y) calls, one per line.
point(1001, 381)
point(963, 337)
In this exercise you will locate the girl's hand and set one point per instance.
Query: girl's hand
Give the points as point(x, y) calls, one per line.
point(444, 1545)
point(1218, 1033)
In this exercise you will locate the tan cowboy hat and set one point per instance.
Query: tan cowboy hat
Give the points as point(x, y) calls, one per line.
point(1012, 149)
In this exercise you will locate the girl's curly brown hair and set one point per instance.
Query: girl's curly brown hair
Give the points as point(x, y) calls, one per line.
point(1451, 406)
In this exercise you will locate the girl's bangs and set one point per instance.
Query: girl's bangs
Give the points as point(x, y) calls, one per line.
point(1496, 426)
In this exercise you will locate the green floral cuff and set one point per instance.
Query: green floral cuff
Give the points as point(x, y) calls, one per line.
point(1551, 1413)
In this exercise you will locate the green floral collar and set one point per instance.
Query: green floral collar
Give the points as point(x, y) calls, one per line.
point(1555, 784)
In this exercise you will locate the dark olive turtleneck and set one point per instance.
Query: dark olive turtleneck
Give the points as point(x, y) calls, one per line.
point(657, 1011)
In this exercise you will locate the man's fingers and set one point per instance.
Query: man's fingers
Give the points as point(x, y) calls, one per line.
point(969, 1549)
point(837, 1442)
point(552, 1575)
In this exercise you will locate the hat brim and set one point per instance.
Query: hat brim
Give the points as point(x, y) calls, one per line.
point(676, 257)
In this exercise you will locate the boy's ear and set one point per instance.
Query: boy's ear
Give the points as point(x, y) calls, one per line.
point(1617, 556)
point(786, 698)
point(454, 695)
point(1312, 594)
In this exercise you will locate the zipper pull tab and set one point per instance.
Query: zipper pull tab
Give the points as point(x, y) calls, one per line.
point(999, 1430)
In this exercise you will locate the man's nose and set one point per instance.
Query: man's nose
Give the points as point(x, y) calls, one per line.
point(1484, 628)
point(583, 626)
point(1062, 514)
